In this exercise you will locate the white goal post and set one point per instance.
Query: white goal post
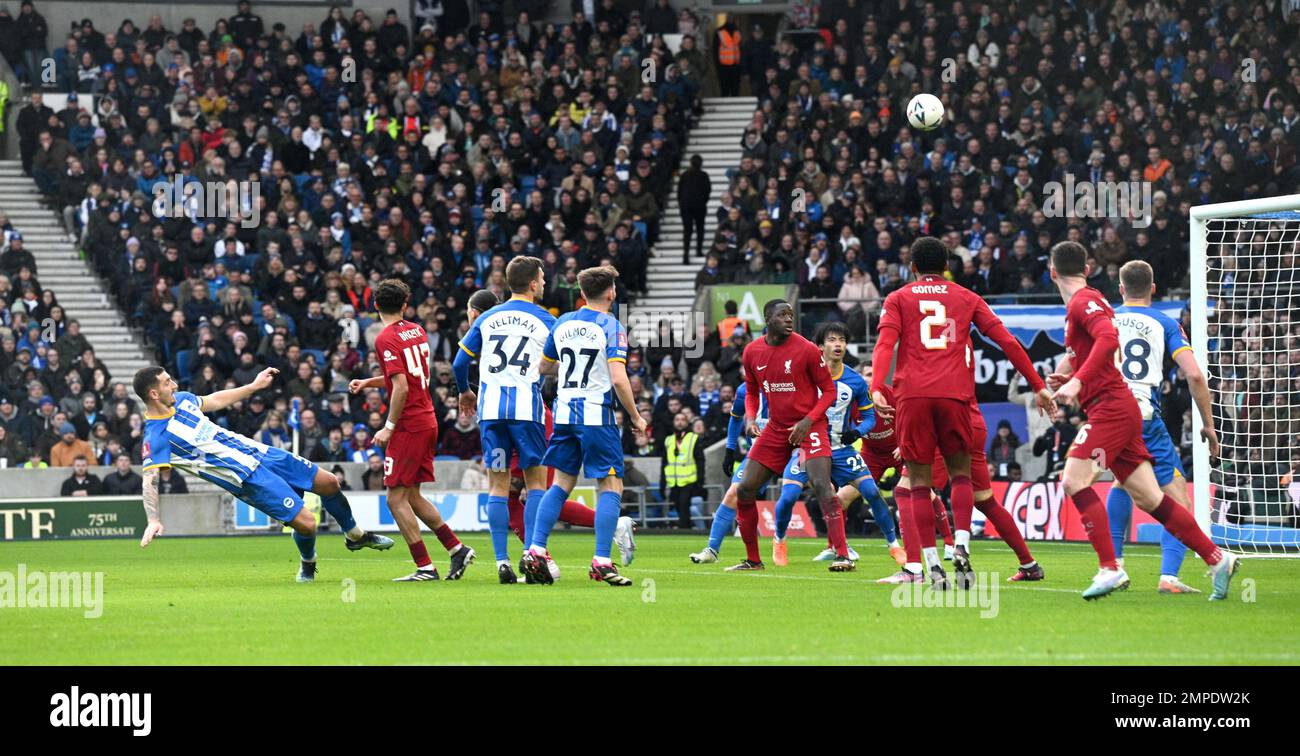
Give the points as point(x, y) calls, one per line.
point(1245, 316)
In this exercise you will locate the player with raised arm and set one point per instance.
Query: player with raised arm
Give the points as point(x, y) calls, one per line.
point(587, 350)
point(789, 372)
point(536, 478)
point(1147, 337)
point(1112, 436)
point(849, 473)
point(177, 434)
point(930, 321)
point(409, 438)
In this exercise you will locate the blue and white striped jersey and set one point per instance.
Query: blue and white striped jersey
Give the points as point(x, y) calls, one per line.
point(1146, 337)
point(584, 342)
point(508, 341)
point(188, 441)
point(851, 390)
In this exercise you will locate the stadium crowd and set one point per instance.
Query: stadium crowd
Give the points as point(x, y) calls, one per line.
point(438, 153)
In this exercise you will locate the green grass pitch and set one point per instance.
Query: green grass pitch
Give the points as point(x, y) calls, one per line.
point(234, 601)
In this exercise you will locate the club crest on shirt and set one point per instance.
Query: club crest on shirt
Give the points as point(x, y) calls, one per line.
point(787, 366)
point(1092, 307)
point(388, 356)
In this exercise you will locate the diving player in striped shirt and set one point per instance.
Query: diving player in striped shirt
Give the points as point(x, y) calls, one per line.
point(1146, 337)
point(177, 434)
point(587, 351)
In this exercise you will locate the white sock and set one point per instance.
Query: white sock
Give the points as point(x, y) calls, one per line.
point(355, 533)
point(1169, 577)
point(503, 562)
point(893, 544)
point(538, 550)
point(312, 560)
point(913, 567)
point(931, 556)
point(426, 568)
point(459, 546)
point(1029, 564)
point(602, 560)
point(962, 538)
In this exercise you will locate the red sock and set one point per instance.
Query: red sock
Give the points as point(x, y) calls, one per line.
point(963, 502)
point(577, 513)
point(419, 554)
point(922, 520)
point(834, 517)
point(1093, 514)
point(903, 498)
point(941, 519)
point(747, 517)
point(1006, 525)
point(516, 516)
point(447, 538)
point(1184, 527)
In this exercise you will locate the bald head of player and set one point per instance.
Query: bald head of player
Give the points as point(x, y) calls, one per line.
point(778, 314)
point(1137, 282)
point(929, 257)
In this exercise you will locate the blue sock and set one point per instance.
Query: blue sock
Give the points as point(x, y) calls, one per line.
point(338, 507)
point(306, 546)
point(548, 511)
point(1119, 510)
point(724, 521)
point(785, 507)
point(609, 505)
point(498, 512)
point(531, 502)
point(879, 509)
point(1172, 551)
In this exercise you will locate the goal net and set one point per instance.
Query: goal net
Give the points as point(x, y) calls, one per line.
point(1246, 332)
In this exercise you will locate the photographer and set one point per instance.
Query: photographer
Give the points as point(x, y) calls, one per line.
point(1055, 443)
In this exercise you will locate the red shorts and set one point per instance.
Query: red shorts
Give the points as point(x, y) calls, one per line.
point(1112, 437)
point(879, 462)
point(772, 447)
point(979, 472)
point(409, 458)
point(928, 424)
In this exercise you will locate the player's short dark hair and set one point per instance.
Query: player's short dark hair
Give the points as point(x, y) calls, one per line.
point(770, 308)
point(1136, 276)
point(596, 281)
point(828, 329)
point(145, 380)
point(484, 300)
point(1069, 259)
point(391, 295)
point(521, 272)
point(929, 255)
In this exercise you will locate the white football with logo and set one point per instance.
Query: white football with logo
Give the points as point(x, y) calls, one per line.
point(925, 112)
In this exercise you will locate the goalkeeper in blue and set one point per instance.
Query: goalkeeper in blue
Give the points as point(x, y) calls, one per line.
point(177, 434)
point(1148, 337)
point(849, 473)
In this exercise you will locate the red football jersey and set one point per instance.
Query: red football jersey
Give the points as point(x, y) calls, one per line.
point(881, 440)
point(790, 376)
point(403, 347)
point(1089, 319)
point(932, 317)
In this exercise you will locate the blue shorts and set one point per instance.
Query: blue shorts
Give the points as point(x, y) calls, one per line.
point(277, 485)
point(1166, 462)
point(503, 438)
point(846, 467)
point(597, 449)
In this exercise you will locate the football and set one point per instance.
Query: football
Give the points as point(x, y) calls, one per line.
point(925, 112)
